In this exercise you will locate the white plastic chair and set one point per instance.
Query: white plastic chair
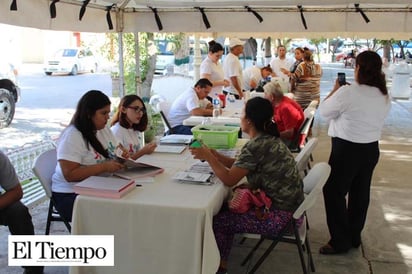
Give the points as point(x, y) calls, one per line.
point(302, 159)
point(316, 177)
point(313, 104)
point(43, 167)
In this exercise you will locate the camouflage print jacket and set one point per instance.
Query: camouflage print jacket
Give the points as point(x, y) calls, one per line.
point(272, 168)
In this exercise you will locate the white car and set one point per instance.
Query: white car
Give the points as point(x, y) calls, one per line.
point(71, 61)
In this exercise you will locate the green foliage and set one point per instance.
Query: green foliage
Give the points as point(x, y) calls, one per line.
point(155, 124)
point(110, 49)
point(317, 42)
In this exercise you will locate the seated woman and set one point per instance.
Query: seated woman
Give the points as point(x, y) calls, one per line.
point(288, 114)
point(267, 164)
point(129, 123)
point(85, 148)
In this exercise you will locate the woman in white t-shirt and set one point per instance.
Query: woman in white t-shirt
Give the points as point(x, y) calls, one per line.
point(211, 68)
point(85, 148)
point(129, 123)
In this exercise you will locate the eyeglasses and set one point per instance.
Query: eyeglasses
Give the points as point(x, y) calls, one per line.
point(138, 109)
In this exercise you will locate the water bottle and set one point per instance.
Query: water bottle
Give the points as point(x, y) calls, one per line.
point(216, 106)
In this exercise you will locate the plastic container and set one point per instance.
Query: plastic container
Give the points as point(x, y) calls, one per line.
point(222, 98)
point(216, 136)
point(216, 106)
point(401, 82)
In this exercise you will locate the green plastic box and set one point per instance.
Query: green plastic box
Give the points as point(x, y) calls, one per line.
point(216, 136)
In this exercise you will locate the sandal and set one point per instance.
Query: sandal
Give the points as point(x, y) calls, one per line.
point(329, 250)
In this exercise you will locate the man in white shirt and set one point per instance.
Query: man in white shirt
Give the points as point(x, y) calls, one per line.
point(253, 76)
point(281, 62)
point(233, 69)
point(191, 102)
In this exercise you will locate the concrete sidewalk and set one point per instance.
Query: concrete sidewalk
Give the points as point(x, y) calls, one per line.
point(386, 239)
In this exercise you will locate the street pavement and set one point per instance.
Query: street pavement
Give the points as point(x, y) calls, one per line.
point(387, 238)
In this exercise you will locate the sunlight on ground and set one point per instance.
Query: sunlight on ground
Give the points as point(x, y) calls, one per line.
point(393, 217)
point(406, 252)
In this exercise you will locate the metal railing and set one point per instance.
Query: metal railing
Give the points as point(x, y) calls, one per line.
point(22, 159)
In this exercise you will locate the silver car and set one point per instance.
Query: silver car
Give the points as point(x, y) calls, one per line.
point(71, 61)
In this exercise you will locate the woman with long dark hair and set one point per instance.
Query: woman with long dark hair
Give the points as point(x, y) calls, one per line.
point(268, 165)
point(85, 148)
point(128, 125)
point(356, 115)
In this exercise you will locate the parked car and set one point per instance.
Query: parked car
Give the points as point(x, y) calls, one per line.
point(165, 57)
point(9, 93)
point(71, 61)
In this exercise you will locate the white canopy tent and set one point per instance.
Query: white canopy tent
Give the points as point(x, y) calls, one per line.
point(388, 19)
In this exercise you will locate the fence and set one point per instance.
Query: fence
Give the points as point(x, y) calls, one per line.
point(22, 160)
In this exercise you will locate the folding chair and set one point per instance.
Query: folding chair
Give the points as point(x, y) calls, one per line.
point(313, 104)
point(43, 167)
point(302, 159)
point(301, 138)
point(316, 177)
point(164, 108)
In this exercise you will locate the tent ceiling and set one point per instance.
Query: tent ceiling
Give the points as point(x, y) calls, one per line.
point(388, 19)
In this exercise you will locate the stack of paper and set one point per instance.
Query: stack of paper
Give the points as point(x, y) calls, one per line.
point(193, 177)
point(170, 148)
point(107, 187)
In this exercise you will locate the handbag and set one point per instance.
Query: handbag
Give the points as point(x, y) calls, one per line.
point(244, 199)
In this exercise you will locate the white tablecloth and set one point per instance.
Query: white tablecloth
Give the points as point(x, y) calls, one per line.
point(162, 227)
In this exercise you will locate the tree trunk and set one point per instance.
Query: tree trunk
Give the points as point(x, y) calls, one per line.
point(147, 83)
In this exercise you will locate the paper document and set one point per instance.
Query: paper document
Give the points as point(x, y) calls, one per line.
point(193, 177)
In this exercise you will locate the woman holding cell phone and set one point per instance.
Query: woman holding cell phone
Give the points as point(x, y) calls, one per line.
point(356, 115)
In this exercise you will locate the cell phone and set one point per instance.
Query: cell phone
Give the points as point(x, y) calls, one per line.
point(195, 143)
point(341, 78)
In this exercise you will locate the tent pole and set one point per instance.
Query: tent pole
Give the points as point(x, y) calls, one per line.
point(121, 65)
point(138, 78)
point(197, 59)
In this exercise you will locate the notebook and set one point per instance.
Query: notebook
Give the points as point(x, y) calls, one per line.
point(131, 173)
point(137, 169)
point(107, 187)
point(176, 139)
point(170, 148)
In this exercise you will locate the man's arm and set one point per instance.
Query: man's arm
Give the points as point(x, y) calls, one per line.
point(11, 196)
point(202, 111)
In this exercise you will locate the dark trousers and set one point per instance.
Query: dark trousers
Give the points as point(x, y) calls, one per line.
point(181, 129)
point(64, 204)
point(17, 218)
point(352, 167)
